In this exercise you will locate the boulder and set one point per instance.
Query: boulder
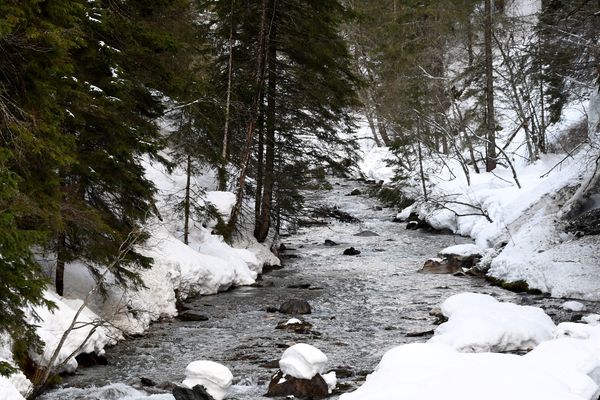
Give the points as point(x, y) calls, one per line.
point(295, 307)
point(330, 243)
point(355, 192)
point(351, 252)
point(462, 256)
point(366, 234)
point(439, 266)
point(198, 392)
point(286, 385)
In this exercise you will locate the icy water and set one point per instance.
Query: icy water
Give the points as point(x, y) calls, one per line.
point(362, 306)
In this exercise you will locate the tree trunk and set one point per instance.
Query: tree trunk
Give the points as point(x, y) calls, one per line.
point(224, 152)
point(260, 161)
point(258, 84)
point(61, 256)
point(186, 201)
point(490, 158)
point(262, 229)
point(369, 116)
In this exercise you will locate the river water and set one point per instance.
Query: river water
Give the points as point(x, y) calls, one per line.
point(362, 306)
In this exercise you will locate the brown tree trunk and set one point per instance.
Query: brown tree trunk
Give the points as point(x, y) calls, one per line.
point(263, 40)
point(61, 255)
point(260, 161)
point(186, 201)
point(225, 149)
point(262, 229)
point(490, 157)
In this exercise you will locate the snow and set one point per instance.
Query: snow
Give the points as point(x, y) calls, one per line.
point(573, 306)
point(592, 319)
point(90, 333)
point(462, 250)
point(374, 165)
point(331, 380)
point(293, 321)
point(480, 323)
point(15, 386)
point(428, 371)
point(303, 361)
point(216, 378)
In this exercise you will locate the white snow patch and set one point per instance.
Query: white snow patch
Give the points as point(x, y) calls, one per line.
point(431, 371)
point(331, 380)
point(573, 306)
point(480, 323)
point(303, 361)
point(462, 250)
point(215, 377)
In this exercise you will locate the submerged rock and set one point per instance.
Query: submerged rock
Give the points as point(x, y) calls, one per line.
point(366, 234)
point(295, 306)
point(192, 316)
point(351, 252)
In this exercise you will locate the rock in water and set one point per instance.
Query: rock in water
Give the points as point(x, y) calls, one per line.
point(192, 316)
point(355, 192)
point(295, 325)
point(366, 234)
point(285, 385)
point(196, 393)
point(439, 266)
point(216, 378)
point(330, 243)
point(351, 252)
point(295, 306)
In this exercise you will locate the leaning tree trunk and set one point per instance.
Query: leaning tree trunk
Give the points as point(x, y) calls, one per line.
point(258, 84)
point(187, 201)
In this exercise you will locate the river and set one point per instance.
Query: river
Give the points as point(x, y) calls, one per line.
point(362, 306)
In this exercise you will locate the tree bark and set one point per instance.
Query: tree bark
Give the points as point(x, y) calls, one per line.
point(225, 149)
point(490, 158)
point(61, 255)
point(260, 161)
point(247, 151)
point(186, 201)
point(262, 229)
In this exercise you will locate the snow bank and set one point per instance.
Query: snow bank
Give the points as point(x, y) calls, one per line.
point(15, 386)
point(480, 323)
point(90, 333)
point(433, 371)
point(215, 378)
point(303, 361)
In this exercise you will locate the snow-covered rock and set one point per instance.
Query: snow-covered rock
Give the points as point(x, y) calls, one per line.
point(480, 323)
point(302, 361)
point(462, 250)
point(432, 371)
point(592, 319)
point(216, 378)
point(573, 306)
point(331, 380)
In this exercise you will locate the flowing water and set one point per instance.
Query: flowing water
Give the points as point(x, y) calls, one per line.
point(362, 306)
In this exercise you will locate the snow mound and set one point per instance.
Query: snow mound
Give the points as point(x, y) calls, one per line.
point(573, 306)
point(90, 334)
point(8, 391)
point(216, 378)
point(592, 319)
point(374, 165)
point(432, 371)
point(480, 323)
point(331, 380)
point(303, 361)
point(462, 250)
